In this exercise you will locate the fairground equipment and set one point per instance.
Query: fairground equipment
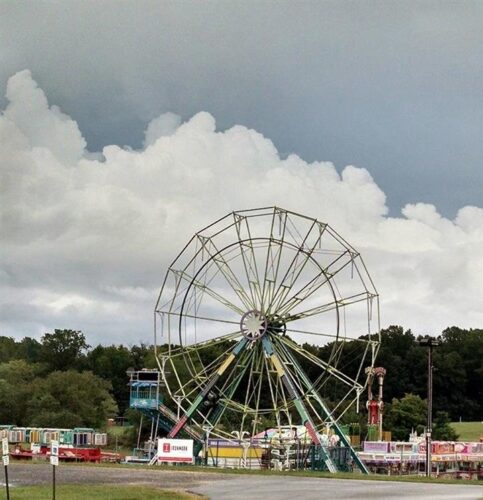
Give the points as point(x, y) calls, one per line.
point(238, 312)
point(375, 403)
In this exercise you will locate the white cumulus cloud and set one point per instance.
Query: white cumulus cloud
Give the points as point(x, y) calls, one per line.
point(86, 238)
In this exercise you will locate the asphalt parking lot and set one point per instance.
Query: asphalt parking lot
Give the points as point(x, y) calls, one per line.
point(236, 486)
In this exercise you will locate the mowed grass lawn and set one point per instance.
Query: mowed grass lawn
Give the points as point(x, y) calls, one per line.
point(99, 492)
point(468, 431)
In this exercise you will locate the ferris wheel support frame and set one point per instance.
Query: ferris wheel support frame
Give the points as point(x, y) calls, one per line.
point(300, 269)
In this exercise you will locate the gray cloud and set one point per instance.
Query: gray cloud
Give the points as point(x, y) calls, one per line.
point(86, 242)
point(392, 86)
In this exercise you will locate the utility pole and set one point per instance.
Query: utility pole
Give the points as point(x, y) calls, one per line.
point(430, 343)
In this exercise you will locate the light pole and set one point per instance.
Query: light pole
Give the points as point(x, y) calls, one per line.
point(430, 343)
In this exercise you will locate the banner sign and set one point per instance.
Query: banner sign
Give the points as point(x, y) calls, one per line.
point(175, 450)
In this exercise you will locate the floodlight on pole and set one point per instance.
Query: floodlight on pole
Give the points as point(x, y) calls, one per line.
point(430, 343)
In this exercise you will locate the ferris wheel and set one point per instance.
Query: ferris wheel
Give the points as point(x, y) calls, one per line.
point(265, 318)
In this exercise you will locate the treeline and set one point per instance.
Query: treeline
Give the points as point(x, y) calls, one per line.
point(457, 374)
point(62, 381)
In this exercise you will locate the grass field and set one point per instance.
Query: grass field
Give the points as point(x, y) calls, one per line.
point(118, 430)
point(468, 431)
point(99, 492)
point(116, 437)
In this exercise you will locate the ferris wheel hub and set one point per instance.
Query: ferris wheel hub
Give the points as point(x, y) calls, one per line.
point(253, 325)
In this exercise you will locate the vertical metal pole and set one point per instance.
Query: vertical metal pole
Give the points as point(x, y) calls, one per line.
point(53, 482)
point(380, 380)
point(6, 482)
point(430, 411)
point(207, 437)
point(139, 433)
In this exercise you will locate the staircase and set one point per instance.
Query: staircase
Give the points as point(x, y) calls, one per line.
point(172, 417)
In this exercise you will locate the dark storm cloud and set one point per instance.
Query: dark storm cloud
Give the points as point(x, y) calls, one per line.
point(395, 87)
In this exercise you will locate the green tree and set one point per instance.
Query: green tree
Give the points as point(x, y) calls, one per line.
point(442, 429)
point(405, 415)
point(111, 363)
point(29, 349)
point(8, 349)
point(69, 399)
point(16, 385)
point(63, 349)
point(458, 376)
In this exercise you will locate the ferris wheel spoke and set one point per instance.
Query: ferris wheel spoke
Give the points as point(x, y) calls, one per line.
point(259, 391)
point(283, 403)
point(229, 388)
point(209, 369)
point(273, 255)
point(206, 289)
point(343, 302)
point(342, 401)
point(232, 357)
point(303, 256)
point(322, 278)
point(270, 385)
point(290, 344)
point(327, 413)
point(249, 259)
point(251, 387)
point(308, 332)
point(295, 268)
point(201, 374)
point(201, 318)
point(226, 271)
point(337, 337)
point(179, 350)
point(291, 387)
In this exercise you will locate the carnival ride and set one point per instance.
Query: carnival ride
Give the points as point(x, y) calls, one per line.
point(375, 404)
point(81, 444)
point(240, 307)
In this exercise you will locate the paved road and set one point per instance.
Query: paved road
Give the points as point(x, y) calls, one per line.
point(302, 488)
point(236, 487)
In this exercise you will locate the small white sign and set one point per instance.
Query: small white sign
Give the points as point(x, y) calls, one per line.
point(5, 450)
point(54, 448)
point(6, 459)
point(175, 450)
point(35, 448)
point(54, 460)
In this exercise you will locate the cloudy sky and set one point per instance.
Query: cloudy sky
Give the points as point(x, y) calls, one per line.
point(127, 126)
